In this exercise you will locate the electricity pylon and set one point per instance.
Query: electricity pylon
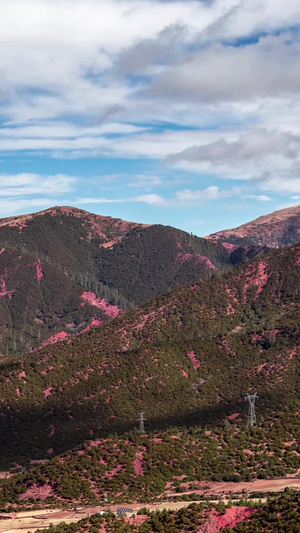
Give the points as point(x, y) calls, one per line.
point(142, 425)
point(251, 411)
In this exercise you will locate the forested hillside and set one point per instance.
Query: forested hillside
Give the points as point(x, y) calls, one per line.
point(144, 466)
point(63, 270)
point(281, 515)
point(186, 358)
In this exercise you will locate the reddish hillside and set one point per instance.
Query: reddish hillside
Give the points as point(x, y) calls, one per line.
point(188, 356)
point(64, 270)
point(280, 228)
point(111, 230)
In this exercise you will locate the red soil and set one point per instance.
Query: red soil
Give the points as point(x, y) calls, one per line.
point(94, 322)
point(293, 353)
point(231, 518)
point(233, 296)
point(196, 259)
point(194, 359)
point(229, 247)
point(257, 276)
point(233, 416)
point(48, 392)
point(4, 291)
point(37, 492)
point(230, 310)
point(52, 430)
point(61, 336)
point(39, 271)
point(137, 520)
point(138, 464)
point(109, 309)
point(184, 373)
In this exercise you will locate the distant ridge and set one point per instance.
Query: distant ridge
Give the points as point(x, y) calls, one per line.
point(280, 228)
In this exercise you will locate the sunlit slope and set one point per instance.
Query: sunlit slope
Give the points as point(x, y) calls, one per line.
point(280, 228)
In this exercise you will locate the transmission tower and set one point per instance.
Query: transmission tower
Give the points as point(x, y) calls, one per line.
point(141, 420)
point(251, 411)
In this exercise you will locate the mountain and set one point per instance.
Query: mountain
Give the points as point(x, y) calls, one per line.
point(184, 358)
point(64, 270)
point(280, 228)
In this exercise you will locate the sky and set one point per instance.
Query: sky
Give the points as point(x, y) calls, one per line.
point(183, 113)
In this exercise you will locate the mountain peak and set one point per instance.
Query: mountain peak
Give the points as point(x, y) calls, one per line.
point(22, 220)
point(279, 228)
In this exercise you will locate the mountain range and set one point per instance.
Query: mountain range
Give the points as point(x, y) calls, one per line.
point(65, 270)
point(182, 350)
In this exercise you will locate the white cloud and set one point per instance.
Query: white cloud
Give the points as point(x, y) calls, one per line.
point(101, 201)
point(259, 197)
point(26, 184)
point(10, 207)
point(268, 159)
point(281, 182)
point(153, 199)
point(184, 198)
point(78, 75)
point(269, 68)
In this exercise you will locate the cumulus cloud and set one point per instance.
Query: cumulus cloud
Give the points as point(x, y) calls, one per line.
point(268, 68)
point(143, 56)
point(254, 145)
point(270, 159)
point(280, 182)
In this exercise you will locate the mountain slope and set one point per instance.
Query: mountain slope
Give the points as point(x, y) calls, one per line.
point(137, 466)
point(63, 270)
point(183, 358)
point(280, 228)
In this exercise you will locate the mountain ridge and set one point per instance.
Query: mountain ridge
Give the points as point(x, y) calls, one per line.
point(279, 228)
point(50, 259)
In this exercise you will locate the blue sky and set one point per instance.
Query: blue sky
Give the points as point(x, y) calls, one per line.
point(182, 112)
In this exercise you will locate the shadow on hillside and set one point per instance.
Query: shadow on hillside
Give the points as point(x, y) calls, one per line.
point(40, 433)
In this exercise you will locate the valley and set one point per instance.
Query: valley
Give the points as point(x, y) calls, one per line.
point(214, 495)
